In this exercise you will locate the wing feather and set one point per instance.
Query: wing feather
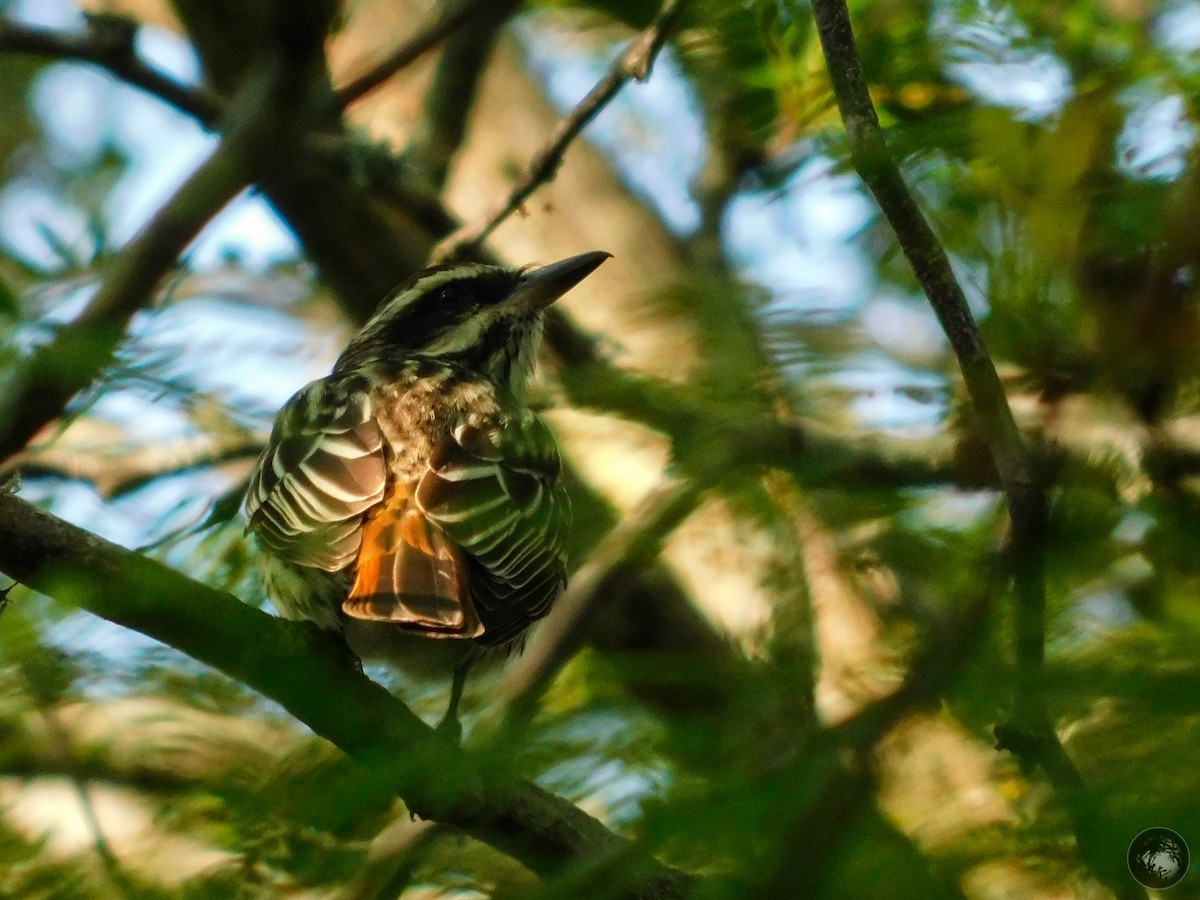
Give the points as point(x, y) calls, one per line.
point(496, 492)
point(321, 471)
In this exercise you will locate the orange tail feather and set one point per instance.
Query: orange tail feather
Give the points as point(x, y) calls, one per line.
point(411, 575)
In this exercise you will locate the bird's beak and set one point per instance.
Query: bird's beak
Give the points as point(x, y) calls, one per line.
point(543, 286)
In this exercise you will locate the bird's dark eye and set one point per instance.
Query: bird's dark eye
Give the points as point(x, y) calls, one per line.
point(459, 296)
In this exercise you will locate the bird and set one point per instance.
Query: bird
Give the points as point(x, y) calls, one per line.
point(412, 492)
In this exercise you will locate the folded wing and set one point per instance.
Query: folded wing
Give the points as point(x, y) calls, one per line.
point(496, 493)
point(322, 470)
point(474, 548)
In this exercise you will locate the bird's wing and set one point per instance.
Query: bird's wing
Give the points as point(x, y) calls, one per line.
point(321, 471)
point(496, 492)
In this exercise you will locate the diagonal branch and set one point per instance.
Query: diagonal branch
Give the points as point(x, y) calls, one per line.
point(837, 768)
point(634, 63)
point(297, 666)
point(1023, 485)
point(268, 112)
point(65, 758)
point(449, 19)
point(945, 651)
point(1030, 733)
point(931, 265)
point(82, 348)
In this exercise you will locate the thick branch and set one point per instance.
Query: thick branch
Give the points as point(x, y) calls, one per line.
point(635, 62)
point(299, 668)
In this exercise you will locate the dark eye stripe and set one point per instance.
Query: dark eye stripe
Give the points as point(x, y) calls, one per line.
point(420, 314)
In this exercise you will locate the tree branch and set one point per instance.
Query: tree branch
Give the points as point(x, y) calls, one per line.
point(64, 755)
point(269, 111)
point(362, 250)
point(1030, 732)
point(931, 265)
point(80, 349)
point(449, 19)
point(298, 667)
point(115, 474)
point(315, 195)
point(836, 776)
point(1023, 484)
point(375, 238)
point(392, 859)
point(943, 653)
point(109, 44)
point(635, 62)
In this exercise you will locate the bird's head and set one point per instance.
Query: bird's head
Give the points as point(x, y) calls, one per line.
point(484, 318)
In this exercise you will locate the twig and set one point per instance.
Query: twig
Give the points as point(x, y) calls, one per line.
point(112, 47)
point(449, 18)
point(1100, 845)
point(298, 667)
point(943, 653)
point(115, 474)
point(838, 768)
point(634, 63)
point(792, 646)
point(66, 759)
point(44, 694)
point(390, 862)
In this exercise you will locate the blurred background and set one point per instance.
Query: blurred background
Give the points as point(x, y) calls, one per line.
point(754, 385)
